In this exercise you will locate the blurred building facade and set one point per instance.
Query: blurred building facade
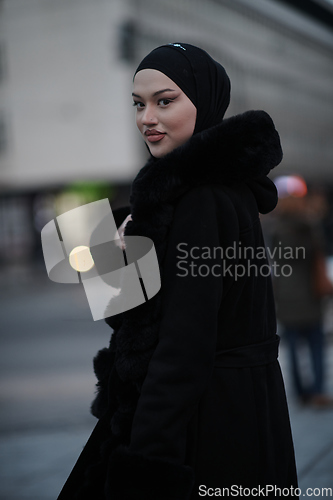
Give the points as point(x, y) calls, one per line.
point(66, 94)
point(66, 71)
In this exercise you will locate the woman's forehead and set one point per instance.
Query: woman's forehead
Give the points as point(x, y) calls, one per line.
point(151, 80)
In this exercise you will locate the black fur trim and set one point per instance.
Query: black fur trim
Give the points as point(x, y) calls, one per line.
point(103, 363)
point(243, 148)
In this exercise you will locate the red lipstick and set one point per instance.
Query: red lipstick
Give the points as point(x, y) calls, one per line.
point(154, 135)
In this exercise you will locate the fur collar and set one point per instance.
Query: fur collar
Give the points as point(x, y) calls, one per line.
point(244, 148)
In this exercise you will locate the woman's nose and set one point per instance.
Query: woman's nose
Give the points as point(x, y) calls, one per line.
point(149, 116)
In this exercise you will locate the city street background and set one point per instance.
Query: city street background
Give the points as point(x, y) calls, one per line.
point(48, 341)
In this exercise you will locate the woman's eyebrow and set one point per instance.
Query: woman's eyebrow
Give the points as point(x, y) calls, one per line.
point(155, 93)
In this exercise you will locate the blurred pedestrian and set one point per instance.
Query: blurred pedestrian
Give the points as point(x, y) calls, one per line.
point(299, 294)
point(191, 394)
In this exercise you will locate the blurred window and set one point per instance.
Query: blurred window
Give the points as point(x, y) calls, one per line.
point(127, 39)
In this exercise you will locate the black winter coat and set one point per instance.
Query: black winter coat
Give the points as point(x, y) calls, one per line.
point(191, 394)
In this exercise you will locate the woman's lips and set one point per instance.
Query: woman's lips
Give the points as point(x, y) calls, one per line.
point(155, 137)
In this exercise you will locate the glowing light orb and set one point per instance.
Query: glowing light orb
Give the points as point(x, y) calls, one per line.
point(291, 185)
point(80, 259)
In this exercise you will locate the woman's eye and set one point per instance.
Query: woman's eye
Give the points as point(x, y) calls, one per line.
point(138, 104)
point(165, 102)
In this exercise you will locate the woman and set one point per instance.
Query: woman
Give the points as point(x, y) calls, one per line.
point(191, 398)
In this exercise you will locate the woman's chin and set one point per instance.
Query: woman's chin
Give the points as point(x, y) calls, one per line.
point(158, 150)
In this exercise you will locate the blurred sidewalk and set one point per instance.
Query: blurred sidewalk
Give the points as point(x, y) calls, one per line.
point(48, 340)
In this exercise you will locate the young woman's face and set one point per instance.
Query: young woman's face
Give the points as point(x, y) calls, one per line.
point(165, 115)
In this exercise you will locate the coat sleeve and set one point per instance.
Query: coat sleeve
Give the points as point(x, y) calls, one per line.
point(154, 462)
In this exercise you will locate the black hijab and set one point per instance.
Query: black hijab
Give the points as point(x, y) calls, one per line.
point(201, 78)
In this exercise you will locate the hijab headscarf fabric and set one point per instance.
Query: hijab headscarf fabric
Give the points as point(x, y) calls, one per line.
point(201, 78)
